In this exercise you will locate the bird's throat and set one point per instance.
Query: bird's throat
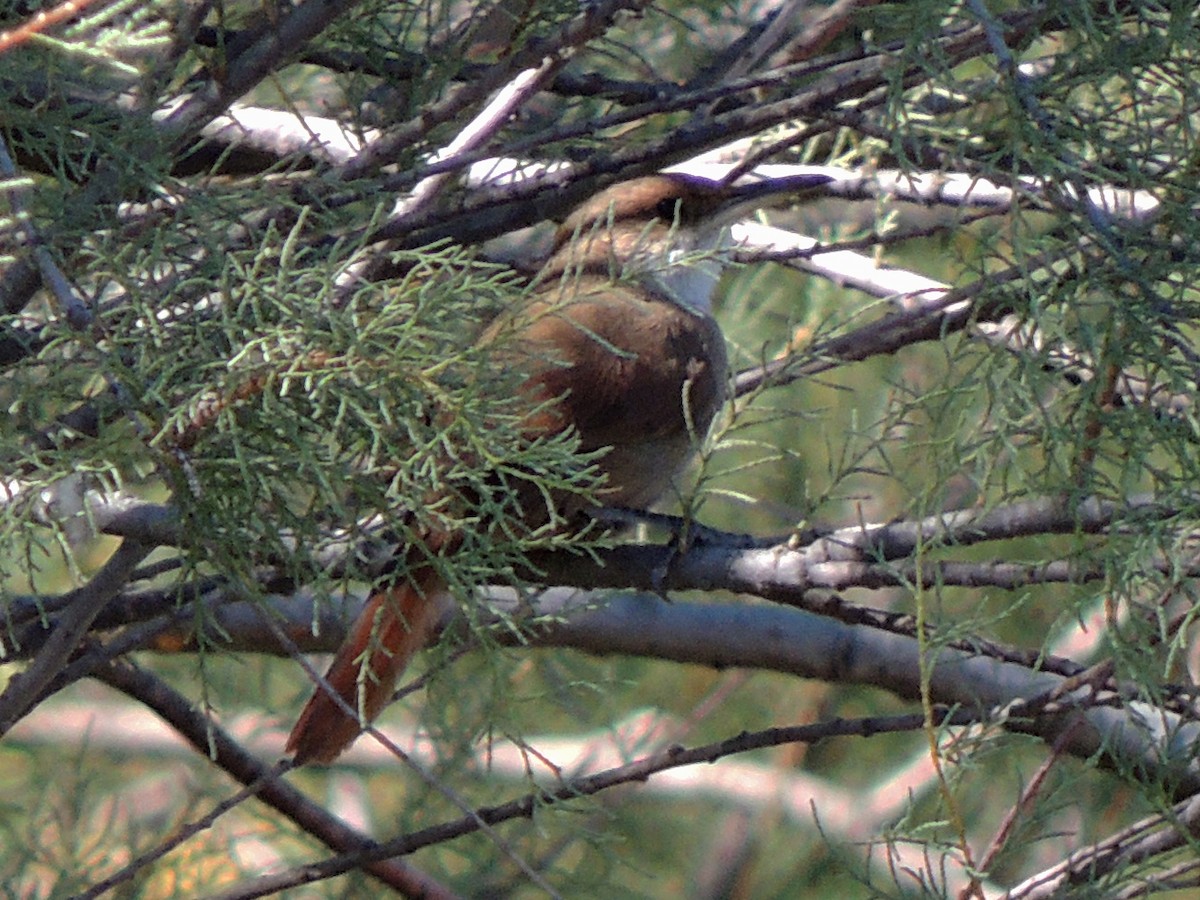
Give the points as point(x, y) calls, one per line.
point(689, 283)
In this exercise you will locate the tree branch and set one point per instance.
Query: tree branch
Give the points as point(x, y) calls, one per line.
point(211, 740)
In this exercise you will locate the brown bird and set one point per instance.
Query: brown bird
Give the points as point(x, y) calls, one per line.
point(618, 343)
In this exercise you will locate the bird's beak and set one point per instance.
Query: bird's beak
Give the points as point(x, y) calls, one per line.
point(759, 185)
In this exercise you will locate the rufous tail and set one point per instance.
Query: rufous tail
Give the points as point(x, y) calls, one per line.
point(393, 626)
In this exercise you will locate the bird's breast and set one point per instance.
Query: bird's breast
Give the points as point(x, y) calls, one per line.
point(629, 370)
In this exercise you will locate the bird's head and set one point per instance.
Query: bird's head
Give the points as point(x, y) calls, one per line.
point(667, 230)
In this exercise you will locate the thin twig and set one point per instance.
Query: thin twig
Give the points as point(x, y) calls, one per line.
point(594, 20)
point(84, 605)
point(476, 133)
point(266, 47)
point(40, 21)
point(260, 781)
point(671, 758)
point(1143, 840)
point(1025, 803)
point(321, 684)
point(75, 311)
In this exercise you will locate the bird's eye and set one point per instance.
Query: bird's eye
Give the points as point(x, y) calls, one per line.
point(665, 209)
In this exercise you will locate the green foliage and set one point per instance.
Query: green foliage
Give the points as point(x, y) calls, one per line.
point(236, 364)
